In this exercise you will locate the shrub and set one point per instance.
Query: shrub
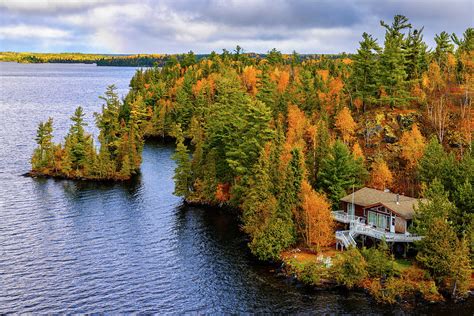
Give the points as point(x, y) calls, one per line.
point(380, 264)
point(313, 272)
point(349, 268)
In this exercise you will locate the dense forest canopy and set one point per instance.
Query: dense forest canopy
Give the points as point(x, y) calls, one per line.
point(283, 138)
point(139, 60)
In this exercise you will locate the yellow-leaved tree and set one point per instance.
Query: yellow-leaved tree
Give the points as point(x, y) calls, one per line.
point(413, 145)
point(380, 176)
point(318, 221)
point(357, 151)
point(345, 124)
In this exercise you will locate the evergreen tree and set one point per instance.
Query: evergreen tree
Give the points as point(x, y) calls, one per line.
point(444, 47)
point(323, 148)
point(349, 268)
point(435, 163)
point(289, 197)
point(108, 122)
point(77, 141)
point(364, 78)
point(339, 172)
point(259, 202)
point(380, 263)
point(416, 56)
point(43, 156)
point(182, 174)
point(237, 128)
point(463, 217)
point(446, 257)
point(274, 57)
point(392, 62)
point(435, 208)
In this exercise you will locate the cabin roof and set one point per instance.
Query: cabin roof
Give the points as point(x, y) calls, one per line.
point(367, 197)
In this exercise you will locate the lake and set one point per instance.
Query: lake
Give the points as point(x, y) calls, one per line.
point(79, 247)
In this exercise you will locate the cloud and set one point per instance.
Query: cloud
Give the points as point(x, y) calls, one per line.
point(49, 6)
point(32, 31)
point(172, 26)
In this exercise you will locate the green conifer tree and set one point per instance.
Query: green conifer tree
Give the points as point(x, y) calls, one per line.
point(339, 172)
point(182, 175)
point(364, 78)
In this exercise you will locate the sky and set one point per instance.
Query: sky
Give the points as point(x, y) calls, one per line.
point(178, 26)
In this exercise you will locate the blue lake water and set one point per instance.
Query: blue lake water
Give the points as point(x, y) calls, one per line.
point(78, 247)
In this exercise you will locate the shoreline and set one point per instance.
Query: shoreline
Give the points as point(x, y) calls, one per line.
point(286, 267)
point(283, 268)
point(40, 175)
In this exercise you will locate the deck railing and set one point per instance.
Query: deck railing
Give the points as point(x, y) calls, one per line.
point(343, 217)
point(345, 238)
point(357, 226)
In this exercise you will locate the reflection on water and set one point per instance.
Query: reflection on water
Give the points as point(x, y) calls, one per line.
point(74, 246)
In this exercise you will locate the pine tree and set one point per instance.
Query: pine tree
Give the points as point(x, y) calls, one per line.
point(349, 268)
point(323, 148)
point(259, 202)
point(463, 218)
point(76, 141)
point(108, 121)
point(416, 55)
point(437, 207)
point(105, 165)
point(289, 197)
point(364, 78)
point(182, 174)
point(340, 171)
point(446, 257)
point(444, 47)
point(43, 156)
point(393, 73)
point(434, 163)
point(126, 168)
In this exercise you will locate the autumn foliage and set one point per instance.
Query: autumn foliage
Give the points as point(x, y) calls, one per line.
point(223, 192)
point(261, 134)
point(319, 224)
point(345, 124)
point(412, 146)
point(380, 177)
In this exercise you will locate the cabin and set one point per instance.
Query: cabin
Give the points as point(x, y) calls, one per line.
point(382, 210)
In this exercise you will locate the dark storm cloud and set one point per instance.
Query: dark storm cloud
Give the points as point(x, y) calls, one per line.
point(296, 14)
point(306, 26)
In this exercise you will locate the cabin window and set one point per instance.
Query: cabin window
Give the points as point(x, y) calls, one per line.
point(379, 220)
point(372, 218)
point(350, 209)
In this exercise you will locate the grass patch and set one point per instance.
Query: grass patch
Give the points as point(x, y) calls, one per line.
point(402, 264)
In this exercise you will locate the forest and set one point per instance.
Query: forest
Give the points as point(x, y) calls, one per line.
point(281, 138)
point(115, 60)
point(140, 60)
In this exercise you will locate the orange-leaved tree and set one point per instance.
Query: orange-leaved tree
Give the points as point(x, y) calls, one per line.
point(297, 125)
point(413, 145)
point(345, 124)
point(357, 151)
point(380, 176)
point(250, 79)
point(318, 221)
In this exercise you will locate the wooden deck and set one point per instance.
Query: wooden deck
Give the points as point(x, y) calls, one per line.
point(357, 226)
